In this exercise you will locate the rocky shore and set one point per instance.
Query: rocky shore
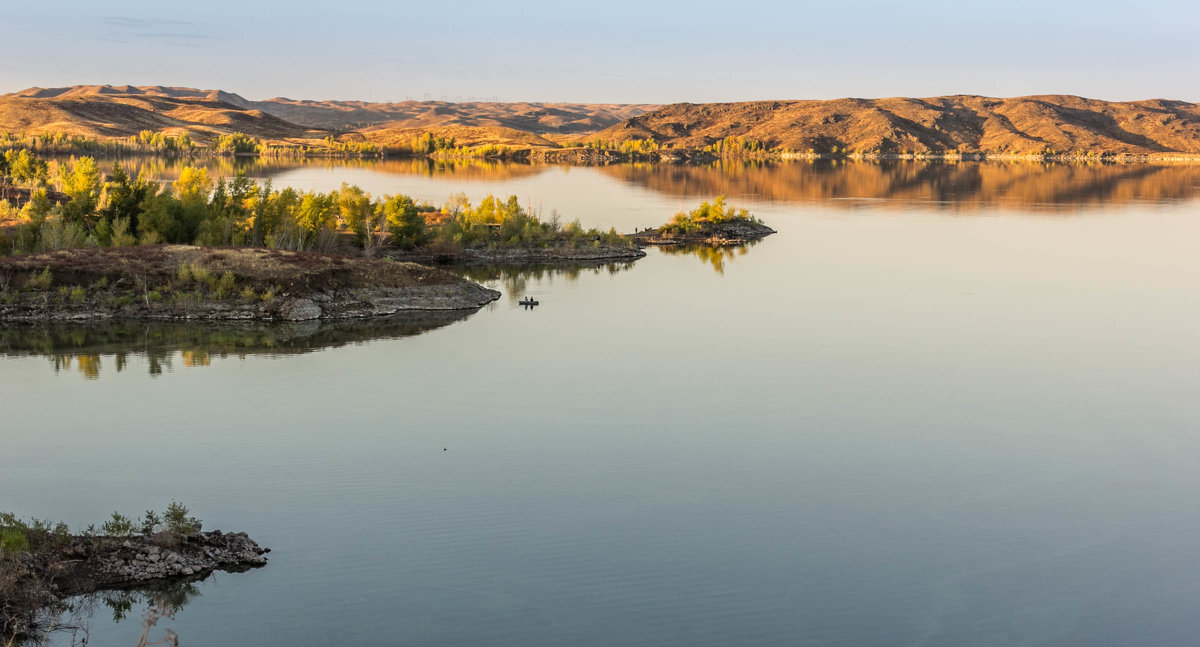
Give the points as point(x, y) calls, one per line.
point(221, 284)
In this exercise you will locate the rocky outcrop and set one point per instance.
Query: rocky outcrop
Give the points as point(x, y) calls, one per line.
point(141, 559)
point(36, 582)
point(737, 231)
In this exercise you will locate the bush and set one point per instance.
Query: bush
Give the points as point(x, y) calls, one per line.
point(14, 540)
point(178, 521)
point(151, 522)
point(118, 526)
point(40, 281)
point(225, 286)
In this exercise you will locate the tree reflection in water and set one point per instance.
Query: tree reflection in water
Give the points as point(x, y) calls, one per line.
point(89, 348)
point(71, 623)
point(715, 255)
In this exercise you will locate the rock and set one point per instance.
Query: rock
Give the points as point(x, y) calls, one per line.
point(299, 310)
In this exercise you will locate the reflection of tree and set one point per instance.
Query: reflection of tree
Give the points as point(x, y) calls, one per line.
point(516, 278)
point(160, 343)
point(897, 184)
point(714, 255)
point(157, 601)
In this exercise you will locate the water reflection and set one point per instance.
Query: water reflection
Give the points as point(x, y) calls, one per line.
point(157, 602)
point(716, 256)
point(961, 186)
point(91, 348)
point(515, 279)
point(168, 168)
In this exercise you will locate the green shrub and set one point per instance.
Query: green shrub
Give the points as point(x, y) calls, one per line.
point(77, 294)
point(40, 280)
point(178, 521)
point(118, 526)
point(200, 274)
point(225, 286)
point(151, 522)
point(14, 540)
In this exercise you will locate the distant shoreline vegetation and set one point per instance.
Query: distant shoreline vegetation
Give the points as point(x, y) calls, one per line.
point(588, 150)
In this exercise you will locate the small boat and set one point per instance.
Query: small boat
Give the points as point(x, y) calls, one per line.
point(528, 302)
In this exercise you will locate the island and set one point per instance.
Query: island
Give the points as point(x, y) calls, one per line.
point(44, 565)
point(712, 224)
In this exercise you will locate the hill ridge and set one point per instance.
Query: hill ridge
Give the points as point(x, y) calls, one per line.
point(964, 123)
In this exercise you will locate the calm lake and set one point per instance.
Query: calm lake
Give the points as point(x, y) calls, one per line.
point(947, 404)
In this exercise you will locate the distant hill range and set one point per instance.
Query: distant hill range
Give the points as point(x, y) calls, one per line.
point(120, 111)
point(1020, 125)
point(1055, 124)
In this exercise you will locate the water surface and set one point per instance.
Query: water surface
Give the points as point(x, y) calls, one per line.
point(921, 414)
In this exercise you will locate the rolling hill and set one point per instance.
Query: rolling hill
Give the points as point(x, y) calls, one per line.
point(1058, 124)
point(1021, 125)
point(106, 111)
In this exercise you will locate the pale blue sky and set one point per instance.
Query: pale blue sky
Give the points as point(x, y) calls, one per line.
point(616, 50)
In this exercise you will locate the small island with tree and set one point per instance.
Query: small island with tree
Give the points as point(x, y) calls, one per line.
point(44, 565)
point(714, 224)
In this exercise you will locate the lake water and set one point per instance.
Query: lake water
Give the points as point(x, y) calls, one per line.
point(950, 404)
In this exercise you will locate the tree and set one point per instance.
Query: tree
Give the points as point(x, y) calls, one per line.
point(125, 198)
point(24, 168)
point(81, 182)
point(364, 217)
point(405, 223)
point(316, 219)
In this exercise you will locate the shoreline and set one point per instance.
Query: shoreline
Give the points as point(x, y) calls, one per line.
point(180, 282)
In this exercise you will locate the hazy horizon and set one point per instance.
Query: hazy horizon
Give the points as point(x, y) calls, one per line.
point(539, 51)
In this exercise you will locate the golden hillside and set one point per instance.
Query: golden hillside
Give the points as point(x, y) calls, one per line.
point(105, 111)
point(1019, 125)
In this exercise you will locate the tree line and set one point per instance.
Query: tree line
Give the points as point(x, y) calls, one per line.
point(116, 209)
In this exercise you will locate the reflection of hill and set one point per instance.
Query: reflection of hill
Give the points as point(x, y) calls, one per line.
point(961, 185)
point(86, 345)
point(167, 168)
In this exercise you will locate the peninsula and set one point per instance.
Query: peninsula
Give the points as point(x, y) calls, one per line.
point(182, 282)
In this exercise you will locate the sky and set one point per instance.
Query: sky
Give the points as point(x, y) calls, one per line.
point(613, 51)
